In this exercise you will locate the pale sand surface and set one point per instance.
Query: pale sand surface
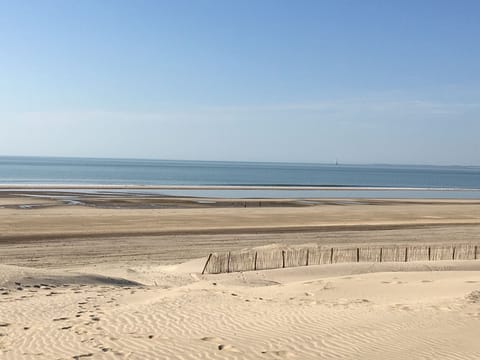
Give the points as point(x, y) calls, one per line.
point(94, 282)
point(323, 312)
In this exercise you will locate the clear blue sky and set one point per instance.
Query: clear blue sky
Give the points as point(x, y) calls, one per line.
point(310, 81)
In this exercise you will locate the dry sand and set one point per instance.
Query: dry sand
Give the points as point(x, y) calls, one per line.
point(95, 282)
point(331, 312)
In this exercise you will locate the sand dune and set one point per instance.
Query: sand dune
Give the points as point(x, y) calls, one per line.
point(290, 313)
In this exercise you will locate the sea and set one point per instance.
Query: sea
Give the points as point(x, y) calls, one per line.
point(335, 180)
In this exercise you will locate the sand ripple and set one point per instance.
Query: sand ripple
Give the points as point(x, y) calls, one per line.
point(369, 316)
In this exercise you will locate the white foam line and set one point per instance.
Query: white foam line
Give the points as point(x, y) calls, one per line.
point(6, 186)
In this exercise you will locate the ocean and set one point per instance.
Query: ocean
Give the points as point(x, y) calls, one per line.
point(416, 180)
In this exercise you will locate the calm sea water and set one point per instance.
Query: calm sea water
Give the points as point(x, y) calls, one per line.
point(42, 170)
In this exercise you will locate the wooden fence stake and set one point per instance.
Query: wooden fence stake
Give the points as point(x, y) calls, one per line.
point(205, 267)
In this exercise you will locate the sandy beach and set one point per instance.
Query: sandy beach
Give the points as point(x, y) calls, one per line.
point(232, 180)
point(112, 277)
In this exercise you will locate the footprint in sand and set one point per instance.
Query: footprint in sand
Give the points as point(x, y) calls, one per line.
point(61, 319)
point(212, 339)
point(78, 357)
point(221, 347)
point(279, 353)
point(229, 348)
point(474, 297)
point(402, 307)
point(328, 286)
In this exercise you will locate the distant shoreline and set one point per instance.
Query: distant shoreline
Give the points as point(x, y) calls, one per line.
point(16, 186)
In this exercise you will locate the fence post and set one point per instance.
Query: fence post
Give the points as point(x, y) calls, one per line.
point(381, 254)
point(208, 260)
point(228, 262)
point(406, 254)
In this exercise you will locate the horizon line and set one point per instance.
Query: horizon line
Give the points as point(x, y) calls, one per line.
point(333, 162)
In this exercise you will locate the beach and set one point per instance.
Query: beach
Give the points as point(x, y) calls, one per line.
point(111, 276)
point(231, 180)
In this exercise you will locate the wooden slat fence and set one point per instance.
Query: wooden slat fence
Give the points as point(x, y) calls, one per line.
point(278, 257)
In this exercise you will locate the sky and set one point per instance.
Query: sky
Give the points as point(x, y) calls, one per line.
point(262, 80)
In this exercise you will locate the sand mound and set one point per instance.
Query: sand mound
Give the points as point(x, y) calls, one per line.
point(16, 277)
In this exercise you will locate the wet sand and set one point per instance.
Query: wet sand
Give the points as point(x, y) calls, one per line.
point(40, 231)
